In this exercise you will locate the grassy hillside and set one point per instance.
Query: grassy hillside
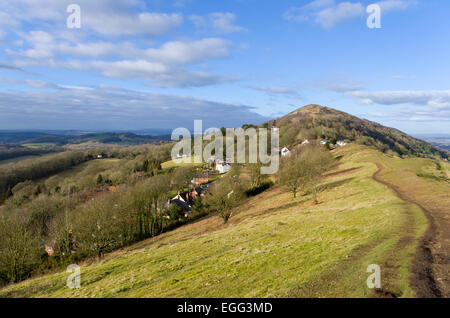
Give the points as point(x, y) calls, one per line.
point(277, 246)
point(314, 121)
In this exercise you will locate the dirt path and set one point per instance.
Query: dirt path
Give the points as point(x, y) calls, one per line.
point(424, 278)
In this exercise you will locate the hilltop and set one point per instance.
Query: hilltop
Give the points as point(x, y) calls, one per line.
point(315, 121)
point(370, 207)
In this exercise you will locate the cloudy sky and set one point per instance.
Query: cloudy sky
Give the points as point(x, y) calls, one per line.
point(137, 64)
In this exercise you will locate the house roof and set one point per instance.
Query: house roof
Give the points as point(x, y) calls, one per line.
point(180, 203)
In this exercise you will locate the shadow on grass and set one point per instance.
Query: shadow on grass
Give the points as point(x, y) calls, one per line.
point(280, 208)
point(341, 172)
point(332, 185)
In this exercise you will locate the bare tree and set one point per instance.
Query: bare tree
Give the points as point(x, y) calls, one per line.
point(19, 249)
point(224, 196)
point(302, 171)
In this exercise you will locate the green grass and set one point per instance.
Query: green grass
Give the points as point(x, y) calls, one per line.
point(38, 145)
point(173, 164)
point(274, 246)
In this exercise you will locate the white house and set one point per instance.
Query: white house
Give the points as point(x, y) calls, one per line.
point(306, 142)
point(341, 143)
point(285, 152)
point(222, 166)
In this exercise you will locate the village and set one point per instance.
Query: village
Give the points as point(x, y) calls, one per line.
point(184, 201)
point(218, 167)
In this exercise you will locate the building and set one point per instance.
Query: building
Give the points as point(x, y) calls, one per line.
point(306, 142)
point(285, 152)
point(186, 200)
point(201, 179)
point(223, 166)
point(341, 143)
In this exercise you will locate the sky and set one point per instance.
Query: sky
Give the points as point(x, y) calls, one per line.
point(135, 64)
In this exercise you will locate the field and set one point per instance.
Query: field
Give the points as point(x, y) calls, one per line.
point(173, 164)
point(39, 145)
point(274, 246)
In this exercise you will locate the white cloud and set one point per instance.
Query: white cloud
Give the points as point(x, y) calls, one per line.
point(166, 65)
point(183, 52)
point(102, 107)
point(329, 17)
point(392, 5)
point(435, 99)
point(223, 22)
point(284, 91)
point(141, 23)
point(7, 21)
point(329, 13)
point(99, 46)
point(113, 18)
point(340, 86)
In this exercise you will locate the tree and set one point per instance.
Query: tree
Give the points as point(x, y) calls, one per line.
point(99, 179)
point(19, 249)
point(256, 177)
point(224, 196)
point(182, 178)
point(175, 212)
point(291, 174)
point(303, 170)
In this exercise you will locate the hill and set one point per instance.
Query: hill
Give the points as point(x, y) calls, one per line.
point(386, 207)
point(277, 246)
point(43, 139)
point(314, 121)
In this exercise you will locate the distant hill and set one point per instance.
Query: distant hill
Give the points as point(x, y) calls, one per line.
point(46, 139)
point(315, 121)
point(440, 141)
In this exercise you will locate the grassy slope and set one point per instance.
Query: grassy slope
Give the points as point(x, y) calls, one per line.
point(274, 246)
point(173, 164)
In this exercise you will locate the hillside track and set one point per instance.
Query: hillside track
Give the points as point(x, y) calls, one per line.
point(424, 278)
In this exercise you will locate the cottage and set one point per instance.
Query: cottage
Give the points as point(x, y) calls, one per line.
point(181, 200)
point(186, 200)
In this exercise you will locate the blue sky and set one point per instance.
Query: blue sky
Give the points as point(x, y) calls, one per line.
point(139, 64)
